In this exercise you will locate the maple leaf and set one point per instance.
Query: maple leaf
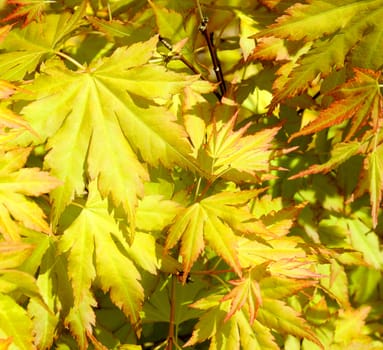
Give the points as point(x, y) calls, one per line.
point(16, 183)
point(276, 218)
point(349, 324)
point(214, 220)
point(232, 153)
point(15, 323)
point(339, 154)
point(31, 10)
point(332, 39)
point(358, 100)
point(54, 288)
point(89, 243)
point(12, 254)
point(277, 315)
point(279, 287)
point(23, 49)
point(234, 333)
point(246, 291)
point(313, 20)
point(155, 213)
point(11, 126)
point(107, 113)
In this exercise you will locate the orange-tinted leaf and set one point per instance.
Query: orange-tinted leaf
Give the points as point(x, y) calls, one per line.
point(246, 291)
point(4, 32)
point(27, 9)
point(359, 99)
point(271, 48)
point(339, 154)
point(279, 287)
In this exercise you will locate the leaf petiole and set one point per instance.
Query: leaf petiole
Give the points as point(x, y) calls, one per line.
point(70, 59)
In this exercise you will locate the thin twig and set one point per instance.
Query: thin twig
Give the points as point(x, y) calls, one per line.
point(212, 50)
point(182, 58)
point(213, 54)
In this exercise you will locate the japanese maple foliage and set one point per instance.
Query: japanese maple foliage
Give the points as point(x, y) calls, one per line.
point(191, 174)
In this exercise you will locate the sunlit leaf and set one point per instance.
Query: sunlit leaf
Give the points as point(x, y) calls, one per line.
point(359, 100)
point(365, 241)
point(26, 47)
point(233, 150)
point(234, 333)
point(97, 253)
point(212, 221)
point(276, 314)
point(12, 254)
point(15, 185)
point(339, 154)
point(124, 123)
point(246, 291)
point(15, 323)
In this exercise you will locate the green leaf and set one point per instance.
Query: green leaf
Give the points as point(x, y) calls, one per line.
point(335, 282)
point(233, 150)
point(365, 241)
point(188, 227)
point(347, 22)
point(155, 213)
point(12, 280)
point(158, 309)
point(15, 323)
point(279, 287)
point(375, 177)
point(45, 317)
point(246, 291)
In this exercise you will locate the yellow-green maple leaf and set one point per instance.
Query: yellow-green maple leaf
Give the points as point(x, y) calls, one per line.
point(335, 30)
point(92, 251)
point(233, 154)
point(16, 183)
point(213, 220)
point(24, 48)
point(108, 116)
point(15, 323)
point(234, 333)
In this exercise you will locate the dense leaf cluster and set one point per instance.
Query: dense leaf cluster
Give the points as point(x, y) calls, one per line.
point(191, 174)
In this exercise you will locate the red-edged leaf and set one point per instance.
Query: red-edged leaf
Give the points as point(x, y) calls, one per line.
point(246, 291)
point(359, 99)
point(30, 10)
point(339, 154)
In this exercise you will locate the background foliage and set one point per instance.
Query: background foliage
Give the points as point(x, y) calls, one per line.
point(146, 205)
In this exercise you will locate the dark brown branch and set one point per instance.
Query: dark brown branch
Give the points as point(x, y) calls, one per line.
point(213, 54)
